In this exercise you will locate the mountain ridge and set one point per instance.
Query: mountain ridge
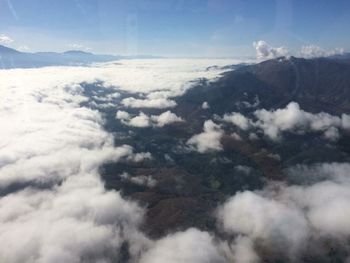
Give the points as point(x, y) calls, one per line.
point(11, 58)
point(319, 84)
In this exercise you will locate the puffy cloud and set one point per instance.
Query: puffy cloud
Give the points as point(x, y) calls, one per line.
point(4, 39)
point(278, 225)
point(51, 140)
point(190, 246)
point(139, 157)
point(297, 219)
point(326, 202)
point(50, 137)
point(165, 118)
point(209, 139)
point(205, 105)
point(292, 119)
point(238, 119)
point(75, 220)
point(146, 180)
point(313, 51)
point(122, 115)
point(265, 51)
point(160, 103)
point(52, 148)
point(142, 120)
point(332, 134)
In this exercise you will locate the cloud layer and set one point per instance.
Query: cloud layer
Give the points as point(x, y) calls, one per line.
point(54, 205)
point(294, 219)
point(291, 119)
point(52, 147)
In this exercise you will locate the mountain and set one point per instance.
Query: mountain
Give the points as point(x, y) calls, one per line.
point(6, 50)
point(11, 58)
point(191, 185)
point(319, 84)
point(77, 52)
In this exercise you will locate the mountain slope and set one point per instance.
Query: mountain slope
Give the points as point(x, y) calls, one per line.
point(316, 84)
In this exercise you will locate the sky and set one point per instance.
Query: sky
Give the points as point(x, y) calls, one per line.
point(176, 28)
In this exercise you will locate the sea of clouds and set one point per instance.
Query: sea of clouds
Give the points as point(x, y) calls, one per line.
point(55, 208)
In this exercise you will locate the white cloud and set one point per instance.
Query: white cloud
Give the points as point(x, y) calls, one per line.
point(191, 245)
point(122, 115)
point(4, 39)
point(292, 119)
point(50, 139)
point(238, 119)
point(205, 105)
point(332, 134)
point(279, 226)
point(146, 180)
point(313, 51)
point(139, 157)
point(165, 118)
point(160, 103)
point(94, 222)
point(148, 103)
point(159, 78)
point(243, 251)
point(209, 139)
point(265, 51)
point(142, 120)
point(293, 220)
point(327, 202)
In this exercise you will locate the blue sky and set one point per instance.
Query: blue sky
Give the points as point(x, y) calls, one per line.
point(206, 28)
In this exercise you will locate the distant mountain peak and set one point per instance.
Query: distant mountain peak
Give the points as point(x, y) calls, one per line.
point(7, 50)
point(77, 52)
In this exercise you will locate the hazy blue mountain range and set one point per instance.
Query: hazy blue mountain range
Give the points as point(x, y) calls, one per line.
point(11, 58)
